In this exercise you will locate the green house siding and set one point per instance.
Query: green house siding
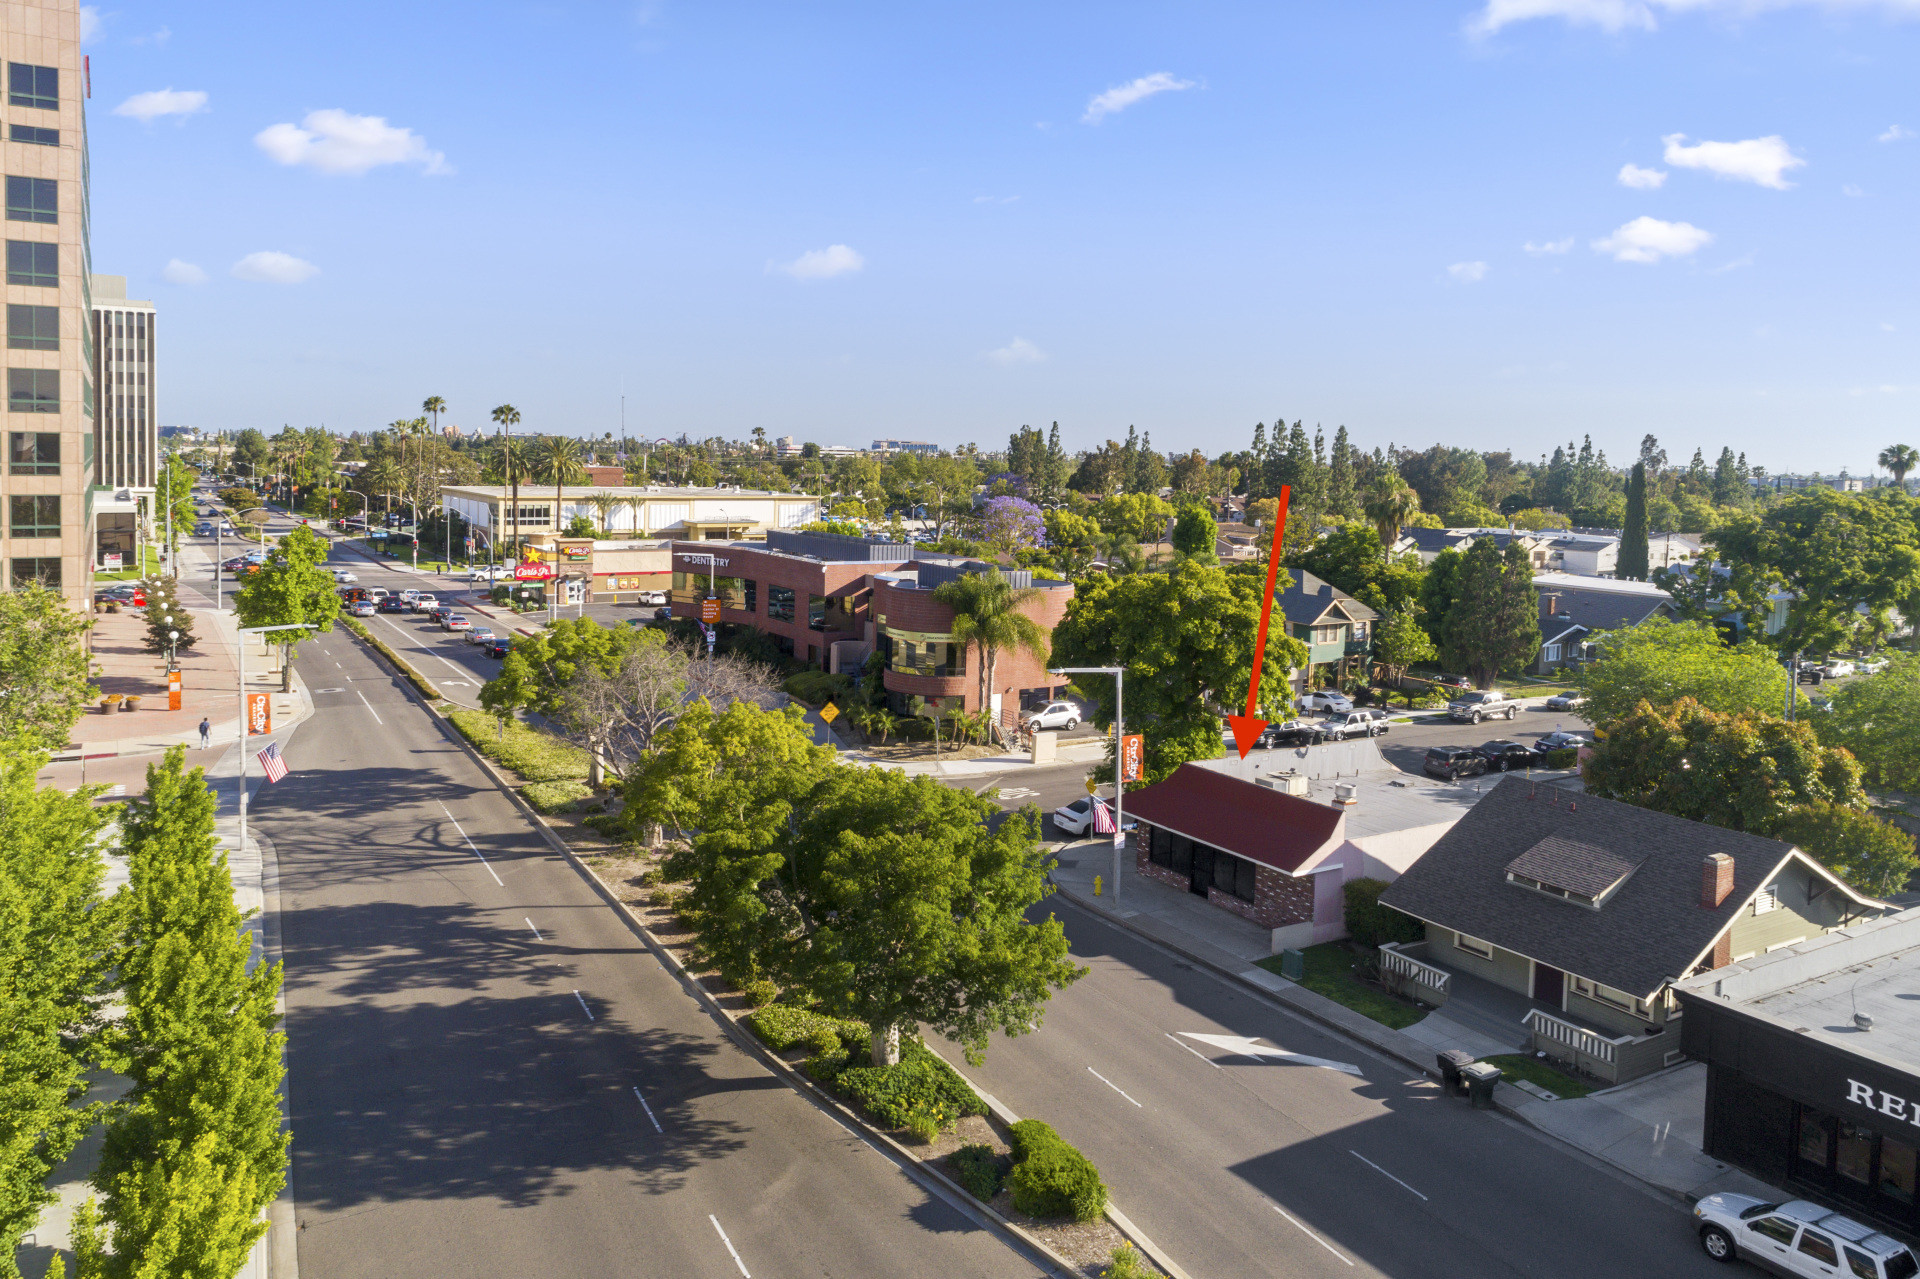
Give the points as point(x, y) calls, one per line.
point(1597, 1012)
point(1504, 969)
point(1803, 911)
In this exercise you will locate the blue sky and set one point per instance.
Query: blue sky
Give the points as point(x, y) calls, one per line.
point(942, 221)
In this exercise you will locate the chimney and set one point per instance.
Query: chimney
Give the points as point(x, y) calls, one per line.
point(1552, 600)
point(1716, 880)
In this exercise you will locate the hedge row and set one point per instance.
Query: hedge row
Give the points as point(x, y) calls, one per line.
point(535, 756)
point(1050, 1178)
point(783, 1026)
point(412, 676)
point(920, 1089)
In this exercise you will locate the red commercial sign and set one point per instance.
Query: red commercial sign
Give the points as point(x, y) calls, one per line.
point(1131, 752)
point(532, 572)
point(709, 610)
point(259, 713)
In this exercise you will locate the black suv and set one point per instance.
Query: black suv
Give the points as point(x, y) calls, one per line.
point(1454, 762)
point(1504, 756)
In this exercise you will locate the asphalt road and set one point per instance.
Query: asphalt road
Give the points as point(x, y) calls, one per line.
point(479, 1050)
point(1243, 1166)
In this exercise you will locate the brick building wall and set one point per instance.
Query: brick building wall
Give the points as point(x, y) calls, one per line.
point(767, 569)
point(1279, 899)
point(909, 608)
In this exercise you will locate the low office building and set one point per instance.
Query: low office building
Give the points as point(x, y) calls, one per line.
point(913, 632)
point(692, 514)
point(1813, 1067)
point(1594, 910)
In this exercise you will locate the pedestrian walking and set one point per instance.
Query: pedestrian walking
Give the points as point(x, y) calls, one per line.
point(206, 733)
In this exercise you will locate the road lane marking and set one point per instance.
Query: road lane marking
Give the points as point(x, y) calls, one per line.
point(536, 931)
point(1309, 1234)
point(1109, 1083)
point(319, 691)
point(583, 1005)
point(376, 717)
point(1389, 1176)
point(1196, 1052)
point(649, 1109)
point(465, 836)
point(730, 1252)
point(1245, 1047)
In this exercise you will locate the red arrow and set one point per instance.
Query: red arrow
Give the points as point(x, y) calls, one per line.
point(1247, 728)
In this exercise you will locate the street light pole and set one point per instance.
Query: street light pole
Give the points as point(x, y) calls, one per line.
point(242, 663)
point(1119, 674)
point(713, 592)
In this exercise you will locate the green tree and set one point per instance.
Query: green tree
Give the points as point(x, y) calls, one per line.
point(1632, 564)
point(56, 939)
point(167, 618)
point(1186, 640)
point(1878, 720)
point(1075, 541)
point(1660, 662)
point(434, 406)
point(988, 616)
point(1194, 532)
point(561, 465)
point(195, 1152)
point(43, 668)
point(515, 464)
point(1398, 643)
point(1493, 623)
point(290, 587)
point(1534, 518)
point(1899, 459)
point(537, 672)
point(1390, 506)
point(1342, 496)
point(1133, 517)
point(884, 897)
point(1350, 558)
point(1874, 856)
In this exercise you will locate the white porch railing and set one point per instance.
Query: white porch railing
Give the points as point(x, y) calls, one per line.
point(1578, 1038)
point(1407, 966)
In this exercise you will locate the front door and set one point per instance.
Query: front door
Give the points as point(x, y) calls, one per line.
point(1547, 984)
point(1200, 878)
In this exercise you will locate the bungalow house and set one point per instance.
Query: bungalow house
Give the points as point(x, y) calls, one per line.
point(1336, 628)
point(1274, 838)
point(1574, 609)
point(1593, 909)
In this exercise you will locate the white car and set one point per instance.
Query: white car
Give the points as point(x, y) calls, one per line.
point(1055, 715)
point(1365, 722)
point(344, 577)
point(422, 601)
point(489, 574)
point(1326, 699)
point(409, 595)
point(650, 597)
point(1839, 667)
point(1075, 818)
point(376, 593)
point(1798, 1238)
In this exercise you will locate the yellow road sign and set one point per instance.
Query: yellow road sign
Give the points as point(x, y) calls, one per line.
point(829, 712)
point(1093, 787)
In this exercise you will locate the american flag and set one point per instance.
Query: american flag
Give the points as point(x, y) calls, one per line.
point(275, 768)
point(1102, 818)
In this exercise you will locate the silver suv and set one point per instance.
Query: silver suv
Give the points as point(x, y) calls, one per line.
point(1799, 1238)
point(1055, 715)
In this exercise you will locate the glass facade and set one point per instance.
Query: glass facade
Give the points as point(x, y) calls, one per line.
point(740, 594)
point(938, 658)
point(780, 601)
point(1853, 1162)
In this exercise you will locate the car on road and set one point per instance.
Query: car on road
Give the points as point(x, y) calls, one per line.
point(498, 648)
point(1326, 699)
point(1363, 722)
point(124, 593)
point(1564, 702)
point(1453, 763)
point(203, 530)
point(409, 595)
point(1054, 715)
point(436, 614)
point(422, 602)
point(1799, 1238)
point(343, 575)
point(1293, 732)
point(480, 635)
point(361, 608)
point(1560, 741)
point(1503, 756)
point(376, 593)
point(1491, 703)
point(1872, 665)
point(487, 573)
point(454, 622)
point(393, 604)
point(1075, 818)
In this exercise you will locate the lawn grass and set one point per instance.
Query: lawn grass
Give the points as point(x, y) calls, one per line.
point(1329, 972)
point(1534, 1071)
point(536, 756)
point(150, 560)
point(554, 797)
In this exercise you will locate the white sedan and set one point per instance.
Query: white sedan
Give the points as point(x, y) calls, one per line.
point(1075, 818)
point(480, 635)
point(1326, 699)
point(344, 577)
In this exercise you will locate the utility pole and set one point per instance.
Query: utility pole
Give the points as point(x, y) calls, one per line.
point(1119, 674)
point(242, 662)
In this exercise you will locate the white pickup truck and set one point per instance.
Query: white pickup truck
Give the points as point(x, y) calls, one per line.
point(1471, 708)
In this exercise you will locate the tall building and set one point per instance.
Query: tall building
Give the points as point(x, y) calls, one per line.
point(48, 533)
point(125, 435)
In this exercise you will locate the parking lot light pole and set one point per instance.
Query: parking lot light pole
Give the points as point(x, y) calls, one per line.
point(1119, 674)
point(241, 662)
point(713, 593)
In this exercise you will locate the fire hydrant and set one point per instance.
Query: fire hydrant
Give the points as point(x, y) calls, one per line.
point(1096, 885)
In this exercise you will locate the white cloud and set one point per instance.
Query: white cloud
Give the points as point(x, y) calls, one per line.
point(1120, 98)
point(1619, 15)
point(1759, 160)
point(271, 267)
point(1895, 133)
point(1849, 189)
point(150, 106)
point(336, 141)
point(89, 23)
point(1468, 272)
point(1632, 175)
point(1546, 247)
point(1018, 351)
point(821, 264)
point(158, 38)
point(1886, 327)
point(178, 272)
point(1650, 239)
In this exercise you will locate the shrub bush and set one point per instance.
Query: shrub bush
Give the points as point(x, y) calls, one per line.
point(1124, 1263)
point(814, 687)
point(784, 1026)
point(1565, 757)
point(977, 1169)
point(536, 756)
point(921, 1084)
point(1371, 924)
point(760, 992)
point(554, 797)
point(1051, 1178)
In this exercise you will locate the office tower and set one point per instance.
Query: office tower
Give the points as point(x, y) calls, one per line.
point(125, 432)
point(49, 532)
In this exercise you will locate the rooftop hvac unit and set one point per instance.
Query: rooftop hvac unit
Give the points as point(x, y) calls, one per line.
point(1287, 783)
point(1345, 793)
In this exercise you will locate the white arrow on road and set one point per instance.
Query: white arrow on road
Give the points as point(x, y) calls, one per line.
point(1254, 1048)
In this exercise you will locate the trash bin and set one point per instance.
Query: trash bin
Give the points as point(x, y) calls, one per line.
point(1293, 965)
point(1480, 1078)
point(1452, 1062)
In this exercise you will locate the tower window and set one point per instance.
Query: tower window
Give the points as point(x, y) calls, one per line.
point(32, 199)
point(31, 262)
point(31, 86)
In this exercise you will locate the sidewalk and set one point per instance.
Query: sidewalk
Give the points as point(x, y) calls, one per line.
point(1649, 1129)
point(1081, 751)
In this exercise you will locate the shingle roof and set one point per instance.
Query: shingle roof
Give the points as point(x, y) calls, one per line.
point(1309, 598)
point(1571, 864)
point(1263, 825)
point(1652, 927)
point(1595, 610)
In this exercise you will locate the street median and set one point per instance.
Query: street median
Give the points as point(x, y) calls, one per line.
point(420, 682)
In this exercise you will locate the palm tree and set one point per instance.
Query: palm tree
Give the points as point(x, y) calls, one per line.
point(1391, 502)
point(380, 479)
point(606, 504)
point(435, 406)
point(1899, 459)
point(509, 417)
point(987, 616)
point(560, 465)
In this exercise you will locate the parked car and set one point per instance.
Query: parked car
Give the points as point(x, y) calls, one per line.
point(1364, 722)
point(123, 593)
point(480, 635)
point(1453, 763)
point(1074, 818)
point(1293, 732)
point(1564, 702)
point(393, 604)
point(1471, 708)
point(1839, 668)
point(498, 648)
point(651, 597)
point(1054, 715)
point(489, 573)
point(663, 615)
point(1504, 756)
point(343, 575)
point(1325, 699)
point(1559, 741)
point(1872, 665)
point(1451, 681)
point(361, 608)
point(422, 602)
point(1798, 1238)
point(454, 622)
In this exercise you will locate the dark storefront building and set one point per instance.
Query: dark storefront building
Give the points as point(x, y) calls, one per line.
point(1813, 1067)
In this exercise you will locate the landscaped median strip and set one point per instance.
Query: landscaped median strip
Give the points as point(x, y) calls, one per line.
point(419, 681)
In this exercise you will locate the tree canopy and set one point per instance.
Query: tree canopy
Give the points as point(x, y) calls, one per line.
point(290, 587)
point(1351, 558)
point(1660, 662)
point(1492, 622)
point(43, 668)
point(1878, 719)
